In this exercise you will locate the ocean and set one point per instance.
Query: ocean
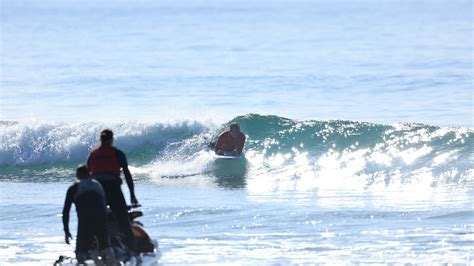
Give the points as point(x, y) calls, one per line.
point(358, 117)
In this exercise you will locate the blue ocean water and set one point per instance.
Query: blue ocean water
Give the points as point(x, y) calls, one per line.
point(358, 118)
point(374, 61)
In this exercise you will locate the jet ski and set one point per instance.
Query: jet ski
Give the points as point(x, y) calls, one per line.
point(147, 248)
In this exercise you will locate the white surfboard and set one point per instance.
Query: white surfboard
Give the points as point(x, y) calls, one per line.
point(229, 157)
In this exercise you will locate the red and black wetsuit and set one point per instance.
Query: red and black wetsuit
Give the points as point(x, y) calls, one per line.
point(89, 198)
point(104, 164)
point(227, 143)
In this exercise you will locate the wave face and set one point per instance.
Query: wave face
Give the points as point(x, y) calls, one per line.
point(367, 154)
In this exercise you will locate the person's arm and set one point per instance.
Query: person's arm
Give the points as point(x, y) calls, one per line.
point(128, 176)
point(67, 207)
point(88, 163)
point(240, 147)
point(219, 143)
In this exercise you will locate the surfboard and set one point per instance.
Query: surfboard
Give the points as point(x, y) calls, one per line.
point(229, 157)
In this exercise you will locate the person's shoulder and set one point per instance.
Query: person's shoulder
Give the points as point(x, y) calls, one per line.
point(120, 155)
point(119, 151)
point(242, 135)
point(224, 134)
point(96, 183)
point(94, 149)
point(73, 186)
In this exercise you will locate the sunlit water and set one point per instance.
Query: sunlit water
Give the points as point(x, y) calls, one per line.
point(307, 192)
point(217, 225)
point(319, 186)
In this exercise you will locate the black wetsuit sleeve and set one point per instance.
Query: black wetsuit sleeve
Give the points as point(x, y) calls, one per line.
point(67, 206)
point(128, 176)
point(240, 147)
point(88, 162)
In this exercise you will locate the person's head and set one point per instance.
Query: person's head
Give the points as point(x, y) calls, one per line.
point(234, 130)
point(106, 137)
point(82, 171)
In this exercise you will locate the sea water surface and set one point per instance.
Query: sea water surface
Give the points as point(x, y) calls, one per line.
point(377, 61)
point(358, 118)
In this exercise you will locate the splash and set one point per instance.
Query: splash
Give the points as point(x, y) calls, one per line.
point(282, 154)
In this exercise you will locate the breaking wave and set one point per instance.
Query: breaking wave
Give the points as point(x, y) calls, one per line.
point(348, 151)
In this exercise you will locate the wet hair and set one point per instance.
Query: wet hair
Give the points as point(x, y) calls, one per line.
point(234, 125)
point(106, 135)
point(82, 171)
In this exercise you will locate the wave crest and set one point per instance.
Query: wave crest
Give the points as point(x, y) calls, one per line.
point(368, 154)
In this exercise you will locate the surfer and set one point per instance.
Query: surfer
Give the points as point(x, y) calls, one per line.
point(230, 142)
point(89, 198)
point(105, 162)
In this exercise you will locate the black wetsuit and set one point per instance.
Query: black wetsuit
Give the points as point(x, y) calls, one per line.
point(89, 198)
point(111, 184)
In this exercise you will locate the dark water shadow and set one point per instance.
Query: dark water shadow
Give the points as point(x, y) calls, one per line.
point(230, 174)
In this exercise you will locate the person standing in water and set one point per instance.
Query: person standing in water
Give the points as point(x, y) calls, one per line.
point(105, 163)
point(230, 142)
point(89, 198)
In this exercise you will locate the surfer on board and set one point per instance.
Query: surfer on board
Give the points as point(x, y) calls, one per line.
point(230, 142)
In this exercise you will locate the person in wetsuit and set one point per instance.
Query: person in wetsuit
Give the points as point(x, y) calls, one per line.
point(105, 162)
point(230, 142)
point(89, 198)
